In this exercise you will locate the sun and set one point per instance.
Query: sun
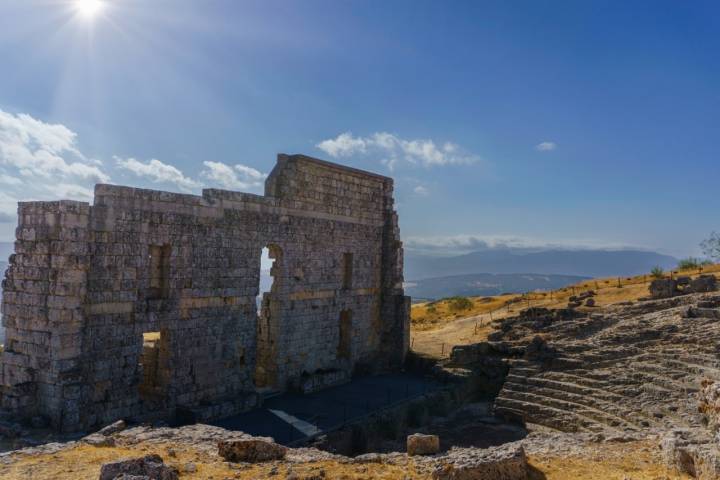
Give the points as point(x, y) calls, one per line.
point(89, 8)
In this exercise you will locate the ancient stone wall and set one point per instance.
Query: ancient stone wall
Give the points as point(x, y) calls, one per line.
point(88, 282)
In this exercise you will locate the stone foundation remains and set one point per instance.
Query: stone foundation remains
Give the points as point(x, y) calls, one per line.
point(144, 303)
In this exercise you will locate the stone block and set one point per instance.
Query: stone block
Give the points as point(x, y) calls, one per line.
point(419, 444)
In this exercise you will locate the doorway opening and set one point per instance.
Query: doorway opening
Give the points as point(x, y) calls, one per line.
point(153, 377)
point(267, 325)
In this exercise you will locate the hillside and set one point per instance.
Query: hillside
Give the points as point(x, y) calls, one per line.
point(437, 326)
point(486, 284)
point(507, 260)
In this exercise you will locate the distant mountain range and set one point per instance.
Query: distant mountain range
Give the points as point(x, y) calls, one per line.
point(510, 260)
point(485, 284)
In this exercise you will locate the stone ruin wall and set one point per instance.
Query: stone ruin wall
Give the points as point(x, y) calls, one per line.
point(87, 282)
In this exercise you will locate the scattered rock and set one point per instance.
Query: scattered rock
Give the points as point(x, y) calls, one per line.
point(506, 462)
point(419, 444)
point(150, 466)
point(590, 302)
point(98, 440)
point(118, 426)
point(703, 283)
point(663, 288)
point(251, 450)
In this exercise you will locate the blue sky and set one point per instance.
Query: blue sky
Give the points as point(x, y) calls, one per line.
point(530, 123)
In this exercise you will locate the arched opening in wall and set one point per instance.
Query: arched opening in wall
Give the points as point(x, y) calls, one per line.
point(266, 277)
point(267, 325)
point(344, 349)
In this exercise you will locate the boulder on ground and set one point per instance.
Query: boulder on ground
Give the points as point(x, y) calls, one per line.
point(663, 288)
point(419, 444)
point(505, 462)
point(703, 283)
point(99, 440)
point(709, 403)
point(118, 426)
point(590, 302)
point(251, 450)
point(149, 466)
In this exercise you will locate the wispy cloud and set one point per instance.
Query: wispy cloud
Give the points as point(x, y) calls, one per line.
point(158, 172)
point(235, 177)
point(545, 146)
point(464, 243)
point(421, 191)
point(392, 149)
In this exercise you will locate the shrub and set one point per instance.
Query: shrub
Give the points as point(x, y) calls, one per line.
point(689, 263)
point(657, 271)
point(457, 304)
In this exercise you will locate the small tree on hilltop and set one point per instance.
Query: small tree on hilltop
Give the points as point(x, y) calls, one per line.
point(460, 303)
point(689, 263)
point(711, 246)
point(657, 271)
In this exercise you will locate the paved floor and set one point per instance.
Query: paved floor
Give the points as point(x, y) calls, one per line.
point(291, 417)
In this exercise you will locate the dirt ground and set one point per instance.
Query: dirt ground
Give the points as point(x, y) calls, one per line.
point(635, 460)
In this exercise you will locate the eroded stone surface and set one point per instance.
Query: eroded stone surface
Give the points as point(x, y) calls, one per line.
point(419, 444)
point(251, 450)
point(506, 462)
point(149, 466)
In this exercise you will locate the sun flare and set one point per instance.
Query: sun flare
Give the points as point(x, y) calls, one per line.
point(89, 8)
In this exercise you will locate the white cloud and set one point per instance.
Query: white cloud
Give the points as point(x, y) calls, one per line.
point(6, 179)
point(41, 161)
point(236, 177)
point(41, 150)
point(392, 149)
point(158, 172)
point(464, 243)
point(421, 191)
point(545, 146)
point(343, 145)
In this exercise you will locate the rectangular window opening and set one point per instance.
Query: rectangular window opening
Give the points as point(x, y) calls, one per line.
point(347, 271)
point(159, 271)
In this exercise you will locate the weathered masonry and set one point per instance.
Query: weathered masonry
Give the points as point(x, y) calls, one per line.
point(144, 303)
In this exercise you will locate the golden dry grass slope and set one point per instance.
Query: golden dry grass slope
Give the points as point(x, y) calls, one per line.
point(437, 326)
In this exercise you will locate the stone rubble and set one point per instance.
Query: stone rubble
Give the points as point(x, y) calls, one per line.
point(149, 466)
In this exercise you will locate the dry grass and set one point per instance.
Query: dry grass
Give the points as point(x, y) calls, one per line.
point(604, 461)
point(84, 462)
point(435, 327)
